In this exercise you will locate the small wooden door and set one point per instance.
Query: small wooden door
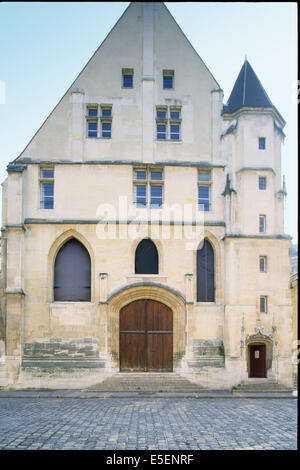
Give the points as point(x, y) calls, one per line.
point(257, 360)
point(146, 337)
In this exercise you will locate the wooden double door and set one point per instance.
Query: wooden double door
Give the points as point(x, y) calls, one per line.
point(146, 337)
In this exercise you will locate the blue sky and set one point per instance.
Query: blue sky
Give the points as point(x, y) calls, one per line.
point(44, 46)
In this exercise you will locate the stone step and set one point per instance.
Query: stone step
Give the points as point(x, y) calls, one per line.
point(146, 382)
point(265, 387)
point(296, 383)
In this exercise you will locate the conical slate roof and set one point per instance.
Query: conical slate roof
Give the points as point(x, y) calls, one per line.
point(247, 91)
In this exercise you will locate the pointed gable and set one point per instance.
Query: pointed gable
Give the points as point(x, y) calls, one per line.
point(147, 41)
point(247, 92)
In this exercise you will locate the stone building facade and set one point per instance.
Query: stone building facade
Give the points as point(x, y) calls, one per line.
point(143, 224)
point(294, 292)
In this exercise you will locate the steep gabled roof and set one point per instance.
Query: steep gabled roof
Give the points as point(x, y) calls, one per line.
point(91, 78)
point(248, 92)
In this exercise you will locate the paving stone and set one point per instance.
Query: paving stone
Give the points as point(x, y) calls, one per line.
point(145, 423)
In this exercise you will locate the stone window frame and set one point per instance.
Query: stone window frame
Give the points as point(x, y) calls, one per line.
point(45, 180)
point(168, 121)
point(159, 247)
point(168, 73)
point(99, 118)
point(263, 179)
point(262, 227)
point(127, 72)
point(148, 183)
point(263, 304)
point(265, 263)
point(261, 143)
point(206, 183)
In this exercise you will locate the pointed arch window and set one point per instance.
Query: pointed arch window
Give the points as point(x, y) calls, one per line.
point(205, 273)
point(146, 257)
point(72, 273)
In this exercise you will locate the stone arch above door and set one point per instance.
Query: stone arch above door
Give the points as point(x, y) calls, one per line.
point(164, 294)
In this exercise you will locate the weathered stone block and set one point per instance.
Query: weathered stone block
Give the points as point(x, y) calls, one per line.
point(52, 347)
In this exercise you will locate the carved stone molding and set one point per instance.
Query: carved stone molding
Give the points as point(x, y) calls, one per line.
point(259, 335)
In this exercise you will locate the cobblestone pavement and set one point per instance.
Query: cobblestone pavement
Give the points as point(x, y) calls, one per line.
point(145, 423)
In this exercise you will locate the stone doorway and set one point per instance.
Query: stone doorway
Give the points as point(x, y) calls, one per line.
point(257, 354)
point(146, 337)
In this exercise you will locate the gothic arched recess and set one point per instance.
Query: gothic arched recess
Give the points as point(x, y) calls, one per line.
point(205, 273)
point(72, 273)
point(146, 257)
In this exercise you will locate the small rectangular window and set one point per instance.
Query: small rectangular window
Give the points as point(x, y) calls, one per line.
point(127, 81)
point(161, 114)
point(263, 304)
point(174, 114)
point(47, 195)
point(140, 175)
point(92, 111)
point(261, 143)
point(203, 198)
point(262, 182)
point(47, 188)
point(156, 196)
point(140, 195)
point(127, 78)
point(175, 131)
point(168, 82)
point(263, 264)
point(156, 175)
point(106, 130)
point(204, 176)
point(161, 131)
point(105, 112)
point(262, 223)
point(168, 79)
point(92, 128)
point(47, 173)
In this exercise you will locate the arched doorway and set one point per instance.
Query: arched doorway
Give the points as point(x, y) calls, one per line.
point(257, 358)
point(146, 337)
